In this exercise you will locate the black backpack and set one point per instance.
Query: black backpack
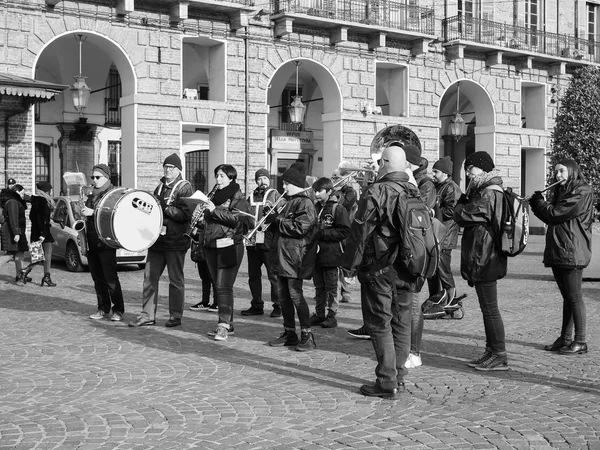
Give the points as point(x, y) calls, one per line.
point(515, 222)
point(418, 251)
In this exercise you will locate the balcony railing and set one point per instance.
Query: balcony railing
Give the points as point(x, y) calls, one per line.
point(519, 38)
point(388, 14)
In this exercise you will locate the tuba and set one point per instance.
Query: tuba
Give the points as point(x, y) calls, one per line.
point(79, 225)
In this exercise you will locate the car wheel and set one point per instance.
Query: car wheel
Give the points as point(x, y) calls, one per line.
point(142, 266)
point(72, 259)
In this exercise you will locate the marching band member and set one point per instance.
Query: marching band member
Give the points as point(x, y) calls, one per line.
point(170, 248)
point(102, 259)
point(223, 243)
point(293, 253)
point(258, 250)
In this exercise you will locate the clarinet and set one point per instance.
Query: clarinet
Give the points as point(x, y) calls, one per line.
point(198, 215)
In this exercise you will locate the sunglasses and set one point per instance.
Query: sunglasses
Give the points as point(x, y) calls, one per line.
point(96, 177)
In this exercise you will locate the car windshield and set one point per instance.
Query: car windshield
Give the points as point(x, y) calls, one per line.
point(76, 208)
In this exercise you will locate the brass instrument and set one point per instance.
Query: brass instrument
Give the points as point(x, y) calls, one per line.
point(79, 225)
point(198, 215)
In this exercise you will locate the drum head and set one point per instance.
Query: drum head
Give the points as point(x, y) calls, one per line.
point(137, 220)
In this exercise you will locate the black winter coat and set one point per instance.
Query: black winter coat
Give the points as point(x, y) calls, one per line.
point(481, 217)
point(569, 218)
point(14, 210)
point(40, 219)
point(334, 225)
point(294, 249)
point(224, 222)
point(426, 188)
point(176, 216)
point(448, 194)
point(94, 242)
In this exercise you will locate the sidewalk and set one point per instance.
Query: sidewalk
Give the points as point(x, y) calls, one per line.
point(68, 382)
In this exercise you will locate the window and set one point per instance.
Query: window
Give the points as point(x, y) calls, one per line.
point(203, 69)
point(112, 112)
point(592, 27)
point(533, 105)
point(42, 162)
point(196, 169)
point(391, 89)
point(114, 162)
point(61, 213)
point(532, 20)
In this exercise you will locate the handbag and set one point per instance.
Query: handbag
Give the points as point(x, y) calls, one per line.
point(197, 252)
point(36, 251)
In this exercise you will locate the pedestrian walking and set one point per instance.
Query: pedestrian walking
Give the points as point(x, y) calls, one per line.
point(14, 240)
point(42, 206)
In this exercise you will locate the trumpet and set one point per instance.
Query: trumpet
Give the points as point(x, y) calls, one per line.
point(198, 215)
point(277, 207)
point(368, 175)
point(79, 225)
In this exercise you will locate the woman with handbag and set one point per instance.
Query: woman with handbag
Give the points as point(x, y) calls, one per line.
point(42, 206)
point(14, 240)
point(223, 243)
point(569, 215)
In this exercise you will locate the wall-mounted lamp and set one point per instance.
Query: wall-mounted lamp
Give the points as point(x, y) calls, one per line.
point(80, 90)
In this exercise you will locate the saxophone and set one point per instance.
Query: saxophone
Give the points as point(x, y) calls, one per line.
point(198, 216)
point(79, 225)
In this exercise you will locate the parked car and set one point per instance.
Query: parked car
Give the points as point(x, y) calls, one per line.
point(68, 243)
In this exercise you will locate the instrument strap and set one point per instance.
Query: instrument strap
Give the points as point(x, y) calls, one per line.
point(172, 194)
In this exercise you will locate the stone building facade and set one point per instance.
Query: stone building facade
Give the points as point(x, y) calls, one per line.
point(212, 81)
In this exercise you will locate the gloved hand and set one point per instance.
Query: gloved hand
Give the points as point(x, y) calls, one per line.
point(462, 200)
point(163, 203)
point(537, 196)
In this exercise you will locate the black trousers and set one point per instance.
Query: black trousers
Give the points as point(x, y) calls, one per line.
point(103, 268)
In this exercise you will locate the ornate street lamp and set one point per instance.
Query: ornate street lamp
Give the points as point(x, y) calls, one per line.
point(80, 90)
point(458, 126)
point(297, 109)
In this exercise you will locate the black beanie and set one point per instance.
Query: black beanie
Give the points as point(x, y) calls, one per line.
point(261, 173)
point(483, 160)
point(295, 175)
point(44, 186)
point(174, 160)
point(444, 165)
point(104, 169)
point(413, 154)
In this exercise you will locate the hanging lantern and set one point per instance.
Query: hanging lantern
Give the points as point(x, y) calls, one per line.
point(297, 109)
point(80, 90)
point(458, 126)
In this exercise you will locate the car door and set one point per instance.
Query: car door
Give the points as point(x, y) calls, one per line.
point(59, 222)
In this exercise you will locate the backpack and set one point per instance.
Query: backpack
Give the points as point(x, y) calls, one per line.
point(418, 251)
point(515, 222)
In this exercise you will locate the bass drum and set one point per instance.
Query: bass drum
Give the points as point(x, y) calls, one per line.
point(129, 219)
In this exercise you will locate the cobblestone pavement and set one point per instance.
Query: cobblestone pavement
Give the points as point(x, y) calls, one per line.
point(69, 382)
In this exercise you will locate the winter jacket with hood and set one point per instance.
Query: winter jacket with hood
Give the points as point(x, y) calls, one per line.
point(294, 248)
point(333, 225)
point(14, 210)
point(40, 219)
point(481, 217)
point(176, 215)
point(448, 194)
point(569, 217)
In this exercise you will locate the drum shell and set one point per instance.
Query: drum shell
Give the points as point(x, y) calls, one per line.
point(129, 218)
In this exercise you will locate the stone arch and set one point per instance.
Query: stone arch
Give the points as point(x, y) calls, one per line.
point(58, 60)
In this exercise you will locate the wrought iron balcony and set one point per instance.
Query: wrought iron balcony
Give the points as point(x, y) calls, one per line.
point(377, 13)
point(520, 40)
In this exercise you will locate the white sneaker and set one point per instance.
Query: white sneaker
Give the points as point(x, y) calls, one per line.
point(413, 361)
point(222, 333)
point(116, 317)
point(213, 333)
point(100, 315)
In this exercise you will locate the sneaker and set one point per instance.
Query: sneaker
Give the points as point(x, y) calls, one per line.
point(474, 363)
point(213, 333)
point(287, 338)
point(413, 361)
point(253, 311)
point(434, 311)
point(307, 342)
point(330, 321)
point(276, 311)
point(221, 334)
point(317, 319)
point(360, 333)
point(213, 308)
point(100, 315)
point(116, 316)
point(199, 307)
point(494, 362)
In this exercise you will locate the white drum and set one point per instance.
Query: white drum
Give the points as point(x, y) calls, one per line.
point(129, 219)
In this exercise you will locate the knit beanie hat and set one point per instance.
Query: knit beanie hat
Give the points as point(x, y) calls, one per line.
point(174, 160)
point(444, 165)
point(44, 186)
point(483, 160)
point(261, 173)
point(413, 154)
point(295, 175)
point(104, 169)
point(11, 181)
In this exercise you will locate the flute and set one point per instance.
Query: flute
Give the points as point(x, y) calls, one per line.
point(549, 187)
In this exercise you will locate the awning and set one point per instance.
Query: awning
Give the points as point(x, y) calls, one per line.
point(27, 87)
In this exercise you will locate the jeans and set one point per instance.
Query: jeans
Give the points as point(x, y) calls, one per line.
point(103, 268)
point(326, 281)
point(292, 301)
point(223, 279)
point(344, 288)
point(386, 314)
point(256, 259)
point(487, 293)
point(443, 278)
point(416, 324)
point(155, 266)
point(207, 283)
point(574, 315)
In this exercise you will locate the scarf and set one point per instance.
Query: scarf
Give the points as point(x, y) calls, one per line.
point(224, 194)
point(480, 180)
point(49, 199)
point(97, 193)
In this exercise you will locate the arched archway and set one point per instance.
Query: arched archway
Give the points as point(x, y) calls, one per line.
point(322, 96)
point(80, 145)
point(477, 109)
